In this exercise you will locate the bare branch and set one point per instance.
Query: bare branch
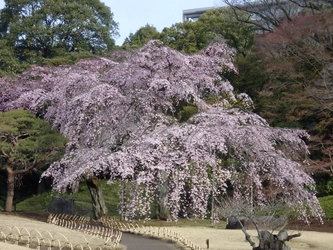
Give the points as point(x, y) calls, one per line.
point(267, 15)
point(247, 236)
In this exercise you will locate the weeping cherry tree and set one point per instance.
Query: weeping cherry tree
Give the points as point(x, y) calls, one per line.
point(161, 120)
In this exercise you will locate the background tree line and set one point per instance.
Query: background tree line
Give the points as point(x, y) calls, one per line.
point(284, 57)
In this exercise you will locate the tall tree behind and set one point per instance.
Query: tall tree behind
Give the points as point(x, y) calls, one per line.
point(216, 25)
point(27, 143)
point(9, 64)
point(267, 15)
point(220, 24)
point(298, 57)
point(186, 37)
point(46, 28)
point(140, 37)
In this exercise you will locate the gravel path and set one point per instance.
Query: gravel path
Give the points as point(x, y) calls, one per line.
point(136, 242)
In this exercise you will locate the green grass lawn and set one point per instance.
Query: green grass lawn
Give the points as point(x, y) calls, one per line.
point(327, 205)
point(82, 200)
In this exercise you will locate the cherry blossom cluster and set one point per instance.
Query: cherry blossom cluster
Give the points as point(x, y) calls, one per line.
point(119, 116)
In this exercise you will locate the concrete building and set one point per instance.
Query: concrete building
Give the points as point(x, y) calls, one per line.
point(193, 14)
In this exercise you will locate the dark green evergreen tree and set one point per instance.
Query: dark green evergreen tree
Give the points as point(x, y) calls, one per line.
point(48, 28)
point(27, 143)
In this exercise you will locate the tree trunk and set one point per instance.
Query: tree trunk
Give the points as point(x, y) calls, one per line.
point(98, 204)
point(162, 209)
point(41, 186)
point(11, 184)
point(10, 191)
point(267, 240)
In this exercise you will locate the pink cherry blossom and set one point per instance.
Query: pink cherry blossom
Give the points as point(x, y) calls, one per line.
point(119, 114)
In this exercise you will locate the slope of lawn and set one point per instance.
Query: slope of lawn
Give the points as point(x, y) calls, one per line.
point(82, 200)
point(326, 203)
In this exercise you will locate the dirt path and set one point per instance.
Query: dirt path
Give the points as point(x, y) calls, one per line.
point(219, 239)
point(136, 242)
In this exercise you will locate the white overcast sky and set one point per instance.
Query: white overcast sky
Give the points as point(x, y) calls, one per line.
point(134, 14)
